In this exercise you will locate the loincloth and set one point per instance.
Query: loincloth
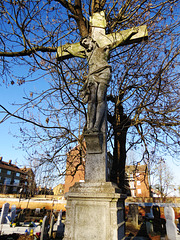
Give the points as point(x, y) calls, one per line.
point(99, 77)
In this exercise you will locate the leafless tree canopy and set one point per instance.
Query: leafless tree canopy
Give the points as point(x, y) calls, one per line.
point(143, 96)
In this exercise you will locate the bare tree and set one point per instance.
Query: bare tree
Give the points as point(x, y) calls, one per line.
point(143, 96)
point(163, 178)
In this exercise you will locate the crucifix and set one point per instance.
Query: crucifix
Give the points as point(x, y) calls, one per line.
point(97, 196)
point(96, 49)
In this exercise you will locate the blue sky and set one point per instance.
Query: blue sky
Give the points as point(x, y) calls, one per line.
point(9, 144)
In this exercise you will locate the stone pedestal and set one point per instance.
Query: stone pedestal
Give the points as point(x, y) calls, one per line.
point(95, 208)
point(95, 211)
point(96, 157)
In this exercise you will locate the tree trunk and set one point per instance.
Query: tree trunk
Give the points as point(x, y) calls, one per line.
point(120, 127)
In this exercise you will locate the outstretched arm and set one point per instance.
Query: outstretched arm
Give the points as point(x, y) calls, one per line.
point(70, 50)
point(120, 38)
point(133, 35)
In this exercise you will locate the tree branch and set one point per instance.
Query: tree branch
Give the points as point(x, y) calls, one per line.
point(76, 10)
point(27, 120)
point(28, 52)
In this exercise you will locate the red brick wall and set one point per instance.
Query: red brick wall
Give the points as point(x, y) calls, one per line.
point(75, 167)
point(142, 186)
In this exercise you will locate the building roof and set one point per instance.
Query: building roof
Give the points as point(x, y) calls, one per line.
point(136, 168)
point(25, 169)
point(10, 166)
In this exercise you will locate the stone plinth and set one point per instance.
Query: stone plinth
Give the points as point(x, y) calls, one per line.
point(95, 211)
point(96, 157)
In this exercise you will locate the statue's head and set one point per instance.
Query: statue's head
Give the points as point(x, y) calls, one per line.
point(88, 43)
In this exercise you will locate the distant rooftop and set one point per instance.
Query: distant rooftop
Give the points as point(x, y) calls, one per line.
point(136, 168)
point(9, 166)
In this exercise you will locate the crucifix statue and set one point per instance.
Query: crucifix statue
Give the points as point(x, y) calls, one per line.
point(97, 196)
point(96, 49)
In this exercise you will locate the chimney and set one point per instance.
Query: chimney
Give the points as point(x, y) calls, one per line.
point(1, 159)
point(10, 161)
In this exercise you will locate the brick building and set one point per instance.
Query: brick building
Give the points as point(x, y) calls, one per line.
point(59, 189)
point(137, 177)
point(75, 167)
point(44, 191)
point(12, 178)
point(28, 181)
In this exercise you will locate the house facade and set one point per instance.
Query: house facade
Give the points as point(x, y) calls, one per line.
point(58, 190)
point(75, 167)
point(13, 179)
point(28, 181)
point(137, 178)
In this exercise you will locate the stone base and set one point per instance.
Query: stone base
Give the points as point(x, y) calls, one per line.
point(96, 157)
point(94, 211)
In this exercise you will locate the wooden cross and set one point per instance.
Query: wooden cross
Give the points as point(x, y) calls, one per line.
point(113, 40)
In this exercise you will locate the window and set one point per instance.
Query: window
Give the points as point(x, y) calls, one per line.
point(131, 177)
point(16, 182)
point(17, 174)
point(81, 180)
point(139, 191)
point(7, 181)
point(8, 172)
point(133, 193)
point(131, 184)
point(138, 183)
point(14, 189)
point(0, 170)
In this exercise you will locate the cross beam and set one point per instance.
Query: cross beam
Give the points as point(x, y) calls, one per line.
point(112, 40)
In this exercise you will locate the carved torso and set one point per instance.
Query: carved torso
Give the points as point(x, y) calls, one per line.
point(99, 69)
